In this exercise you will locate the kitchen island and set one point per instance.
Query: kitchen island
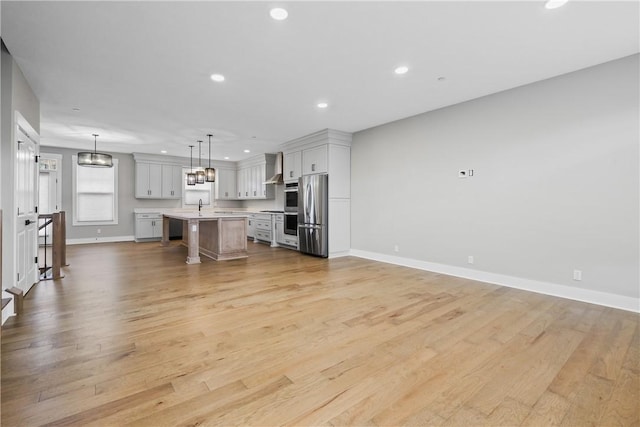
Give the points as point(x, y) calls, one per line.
point(216, 235)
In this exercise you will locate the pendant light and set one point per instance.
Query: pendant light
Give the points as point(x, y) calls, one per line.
point(199, 172)
point(210, 173)
point(191, 177)
point(95, 159)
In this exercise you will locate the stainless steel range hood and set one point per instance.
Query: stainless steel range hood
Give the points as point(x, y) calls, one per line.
point(277, 177)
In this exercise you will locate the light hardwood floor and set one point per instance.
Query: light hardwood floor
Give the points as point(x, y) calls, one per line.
point(133, 335)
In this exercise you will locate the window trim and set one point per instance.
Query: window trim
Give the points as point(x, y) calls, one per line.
point(74, 196)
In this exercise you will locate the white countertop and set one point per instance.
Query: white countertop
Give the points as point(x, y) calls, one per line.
point(208, 212)
point(203, 215)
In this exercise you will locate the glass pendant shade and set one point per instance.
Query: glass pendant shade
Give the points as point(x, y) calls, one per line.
point(93, 158)
point(199, 172)
point(210, 175)
point(191, 177)
point(96, 160)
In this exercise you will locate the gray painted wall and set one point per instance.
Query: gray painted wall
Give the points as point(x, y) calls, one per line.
point(16, 96)
point(126, 200)
point(555, 185)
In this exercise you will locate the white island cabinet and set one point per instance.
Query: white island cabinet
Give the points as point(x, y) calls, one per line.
point(214, 235)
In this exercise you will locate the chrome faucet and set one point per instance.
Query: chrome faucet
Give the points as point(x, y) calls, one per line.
point(199, 205)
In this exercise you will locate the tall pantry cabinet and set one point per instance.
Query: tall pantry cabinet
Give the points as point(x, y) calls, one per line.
point(326, 152)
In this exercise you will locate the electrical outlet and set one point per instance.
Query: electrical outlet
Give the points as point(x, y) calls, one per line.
point(98, 231)
point(470, 259)
point(396, 248)
point(577, 275)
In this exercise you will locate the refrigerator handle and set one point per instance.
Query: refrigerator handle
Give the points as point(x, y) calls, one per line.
point(308, 202)
point(309, 226)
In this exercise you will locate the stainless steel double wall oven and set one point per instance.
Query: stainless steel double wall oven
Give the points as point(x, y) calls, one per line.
point(291, 208)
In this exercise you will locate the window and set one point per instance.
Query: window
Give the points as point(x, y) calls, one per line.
point(95, 194)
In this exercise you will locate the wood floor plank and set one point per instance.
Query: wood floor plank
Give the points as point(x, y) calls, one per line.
point(622, 408)
point(134, 336)
point(549, 410)
point(608, 365)
point(589, 402)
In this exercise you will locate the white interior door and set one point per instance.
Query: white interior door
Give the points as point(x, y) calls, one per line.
point(27, 215)
point(49, 190)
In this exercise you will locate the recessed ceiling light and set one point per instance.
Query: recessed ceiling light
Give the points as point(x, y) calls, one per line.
point(278, 13)
point(247, 151)
point(401, 70)
point(322, 105)
point(75, 109)
point(226, 158)
point(217, 77)
point(163, 151)
point(554, 4)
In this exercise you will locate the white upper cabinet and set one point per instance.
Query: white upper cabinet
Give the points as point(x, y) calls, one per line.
point(292, 166)
point(148, 180)
point(314, 160)
point(251, 176)
point(226, 184)
point(171, 182)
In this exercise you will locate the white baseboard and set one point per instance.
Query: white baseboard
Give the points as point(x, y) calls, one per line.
point(88, 240)
point(585, 295)
point(339, 254)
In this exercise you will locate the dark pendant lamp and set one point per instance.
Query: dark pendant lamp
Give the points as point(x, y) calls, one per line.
point(95, 159)
point(210, 173)
point(191, 177)
point(199, 172)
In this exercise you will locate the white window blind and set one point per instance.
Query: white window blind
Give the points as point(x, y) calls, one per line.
point(95, 194)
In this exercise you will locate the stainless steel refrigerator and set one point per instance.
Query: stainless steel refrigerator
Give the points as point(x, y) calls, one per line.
point(313, 215)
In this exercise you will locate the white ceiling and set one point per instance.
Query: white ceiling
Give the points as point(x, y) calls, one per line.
point(139, 71)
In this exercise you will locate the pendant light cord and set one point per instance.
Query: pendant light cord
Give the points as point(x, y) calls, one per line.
point(209, 135)
point(191, 158)
point(95, 143)
point(199, 153)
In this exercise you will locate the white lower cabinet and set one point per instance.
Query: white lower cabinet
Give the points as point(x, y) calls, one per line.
point(251, 226)
point(264, 228)
point(148, 226)
point(280, 229)
point(282, 238)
